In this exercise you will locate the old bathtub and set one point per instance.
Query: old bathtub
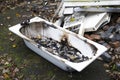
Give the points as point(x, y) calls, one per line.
point(34, 28)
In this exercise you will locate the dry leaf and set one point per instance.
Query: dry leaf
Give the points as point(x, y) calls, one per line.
point(6, 63)
point(6, 76)
point(12, 39)
point(5, 71)
point(8, 17)
point(9, 33)
point(18, 15)
point(14, 46)
point(16, 70)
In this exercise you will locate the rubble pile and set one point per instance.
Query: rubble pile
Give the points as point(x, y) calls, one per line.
point(109, 36)
point(62, 49)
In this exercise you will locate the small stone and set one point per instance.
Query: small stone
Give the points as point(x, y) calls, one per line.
point(107, 71)
point(50, 50)
point(8, 18)
point(28, 2)
point(1, 24)
point(117, 50)
point(106, 57)
point(113, 58)
point(115, 44)
point(111, 49)
point(16, 79)
point(107, 35)
point(106, 65)
point(80, 55)
point(116, 56)
point(117, 37)
point(118, 20)
point(118, 66)
point(99, 58)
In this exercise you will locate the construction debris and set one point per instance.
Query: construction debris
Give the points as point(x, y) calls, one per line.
point(61, 49)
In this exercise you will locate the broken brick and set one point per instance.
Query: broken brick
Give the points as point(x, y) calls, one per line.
point(95, 37)
point(115, 44)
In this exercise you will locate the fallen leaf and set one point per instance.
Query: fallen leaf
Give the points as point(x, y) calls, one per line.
point(2, 61)
point(8, 17)
point(14, 46)
point(16, 70)
point(18, 15)
point(9, 33)
point(9, 59)
point(1, 24)
point(5, 71)
point(6, 63)
point(9, 25)
point(16, 79)
point(21, 76)
point(6, 76)
point(12, 39)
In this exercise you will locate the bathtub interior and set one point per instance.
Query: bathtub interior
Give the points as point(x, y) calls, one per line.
point(43, 30)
